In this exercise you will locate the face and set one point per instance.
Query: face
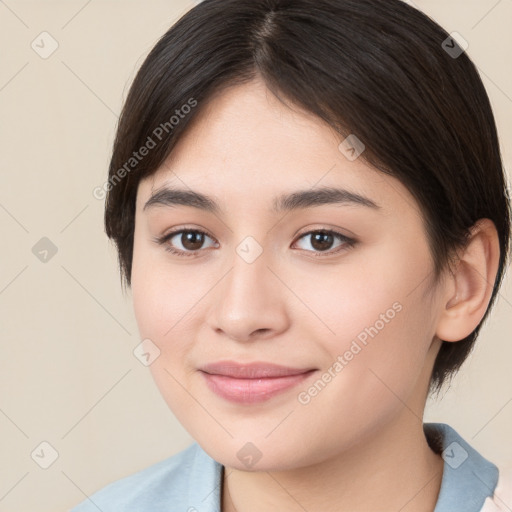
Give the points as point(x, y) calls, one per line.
point(273, 269)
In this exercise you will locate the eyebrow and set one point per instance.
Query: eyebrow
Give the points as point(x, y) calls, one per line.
point(286, 202)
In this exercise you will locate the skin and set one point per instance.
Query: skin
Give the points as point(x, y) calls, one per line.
point(358, 445)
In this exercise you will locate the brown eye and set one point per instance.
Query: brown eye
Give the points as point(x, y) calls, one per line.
point(192, 240)
point(322, 241)
point(184, 242)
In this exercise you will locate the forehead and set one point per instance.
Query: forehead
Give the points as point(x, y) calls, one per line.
point(246, 142)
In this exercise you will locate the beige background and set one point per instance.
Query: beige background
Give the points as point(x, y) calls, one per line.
point(68, 375)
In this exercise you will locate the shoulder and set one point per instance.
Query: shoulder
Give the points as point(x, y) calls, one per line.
point(173, 481)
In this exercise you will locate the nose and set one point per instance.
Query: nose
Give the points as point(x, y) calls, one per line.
point(250, 302)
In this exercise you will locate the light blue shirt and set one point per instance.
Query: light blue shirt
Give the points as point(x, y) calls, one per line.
point(191, 481)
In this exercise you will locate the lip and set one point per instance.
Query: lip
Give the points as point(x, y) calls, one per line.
point(252, 382)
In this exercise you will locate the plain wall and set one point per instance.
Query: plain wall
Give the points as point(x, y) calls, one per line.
point(68, 375)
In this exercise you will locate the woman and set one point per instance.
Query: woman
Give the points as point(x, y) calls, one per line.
point(310, 209)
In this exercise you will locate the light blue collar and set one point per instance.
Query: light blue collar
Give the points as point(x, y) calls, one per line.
point(468, 478)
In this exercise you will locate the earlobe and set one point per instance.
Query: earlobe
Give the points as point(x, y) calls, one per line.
point(471, 283)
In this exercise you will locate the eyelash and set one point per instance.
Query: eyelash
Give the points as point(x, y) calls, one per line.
point(348, 242)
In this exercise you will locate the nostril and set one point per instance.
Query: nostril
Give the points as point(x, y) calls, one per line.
point(260, 332)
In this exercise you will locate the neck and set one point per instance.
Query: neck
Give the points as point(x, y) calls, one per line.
point(394, 470)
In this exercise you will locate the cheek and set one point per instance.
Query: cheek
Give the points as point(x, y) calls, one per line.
point(155, 289)
point(371, 372)
point(148, 302)
point(161, 313)
point(152, 307)
point(362, 301)
point(163, 319)
point(377, 325)
point(168, 303)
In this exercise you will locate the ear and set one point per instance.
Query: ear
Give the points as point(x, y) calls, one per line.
point(469, 287)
